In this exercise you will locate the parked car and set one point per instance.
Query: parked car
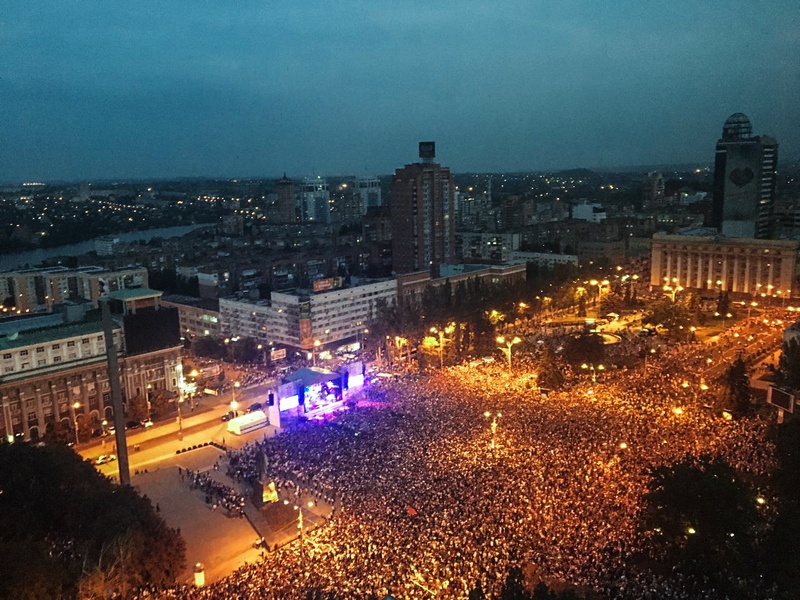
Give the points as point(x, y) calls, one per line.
point(228, 416)
point(133, 425)
point(105, 458)
point(254, 407)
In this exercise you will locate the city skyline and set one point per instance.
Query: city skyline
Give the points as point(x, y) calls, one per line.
point(199, 91)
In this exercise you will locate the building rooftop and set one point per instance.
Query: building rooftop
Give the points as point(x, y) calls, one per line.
point(50, 334)
point(210, 304)
point(134, 294)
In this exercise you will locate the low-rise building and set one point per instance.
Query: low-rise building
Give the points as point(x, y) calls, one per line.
point(39, 289)
point(197, 316)
point(55, 370)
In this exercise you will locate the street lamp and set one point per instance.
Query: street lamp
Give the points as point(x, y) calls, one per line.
point(234, 404)
point(314, 352)
point(494, 417)
point(447, 330)
point(594, 370)
point(673, 290)
point(75, 408)
point(507, 349)
point(750, 306)
point(180, 416)
point(299, 509)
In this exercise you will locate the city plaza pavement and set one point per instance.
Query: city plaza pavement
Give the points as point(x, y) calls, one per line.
point(220, 542)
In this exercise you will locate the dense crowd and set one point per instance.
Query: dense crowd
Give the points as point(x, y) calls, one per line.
point(430, 500)
point(217, 493)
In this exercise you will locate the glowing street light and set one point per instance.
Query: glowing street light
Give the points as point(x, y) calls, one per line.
point(494, 417)
point(447, 330)
point(673, 290)
point(300, 527)
point(75, 408)
point(180, 416)
point(594, 370)
point(314, 352)
point(507, 349)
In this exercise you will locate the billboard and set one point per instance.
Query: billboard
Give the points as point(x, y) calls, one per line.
point(277, 354)
point(320, 285)
point(427, 150)
point(781, 398)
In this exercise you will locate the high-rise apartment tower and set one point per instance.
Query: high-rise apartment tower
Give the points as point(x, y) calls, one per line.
point(422, 206)
point(744, 181)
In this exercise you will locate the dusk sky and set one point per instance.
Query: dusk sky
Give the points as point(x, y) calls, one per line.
point(250, 89)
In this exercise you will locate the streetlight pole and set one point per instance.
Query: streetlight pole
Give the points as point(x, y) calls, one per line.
point(507, 349)
point(673, 290)
point(75, 408)
point(494, 417)
point(234, 404)
point(448, 329)
point(180, 416)
point(594, 370)
point(314, 353)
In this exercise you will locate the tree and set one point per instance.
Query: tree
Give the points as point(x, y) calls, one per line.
point(783, 558)
point(68, 531)
point(208, 347)
point(514, 588)
point(612, 303)
point(160, 403)
point(56, 432)
point(585, 348)
point(674, 316)
point(136, 409)
point(477, 592)
point(737, 387)
point(542, 592)
point(701, 516)
point(723, 303)
point(788, 374)
point(244, 350)
point(550, 376)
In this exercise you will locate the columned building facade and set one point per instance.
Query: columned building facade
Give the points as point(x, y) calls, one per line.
point(47, 372)
point(737, 265)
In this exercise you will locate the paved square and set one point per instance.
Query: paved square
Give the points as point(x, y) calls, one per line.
point(221, 543)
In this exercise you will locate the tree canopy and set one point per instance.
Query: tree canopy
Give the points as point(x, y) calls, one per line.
point(701, 516)
point(674, 316)
point(67, 531)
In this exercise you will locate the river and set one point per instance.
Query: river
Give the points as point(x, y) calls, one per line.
point(35, 257)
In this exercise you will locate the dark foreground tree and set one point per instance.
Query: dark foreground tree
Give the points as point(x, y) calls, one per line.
point(737, 388)
point(66, 531)
point(550, 375)
point(585, 348)
point(788, 374)
point(783, 552)
point(514, 588)
point(701, 516)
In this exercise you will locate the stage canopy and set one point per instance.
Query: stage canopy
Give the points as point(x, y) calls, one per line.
point(312, 376)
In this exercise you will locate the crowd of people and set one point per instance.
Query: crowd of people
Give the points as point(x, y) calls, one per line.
point(216, 493)
point(432, 498)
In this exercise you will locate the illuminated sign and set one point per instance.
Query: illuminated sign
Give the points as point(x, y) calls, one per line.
point(289, 403)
